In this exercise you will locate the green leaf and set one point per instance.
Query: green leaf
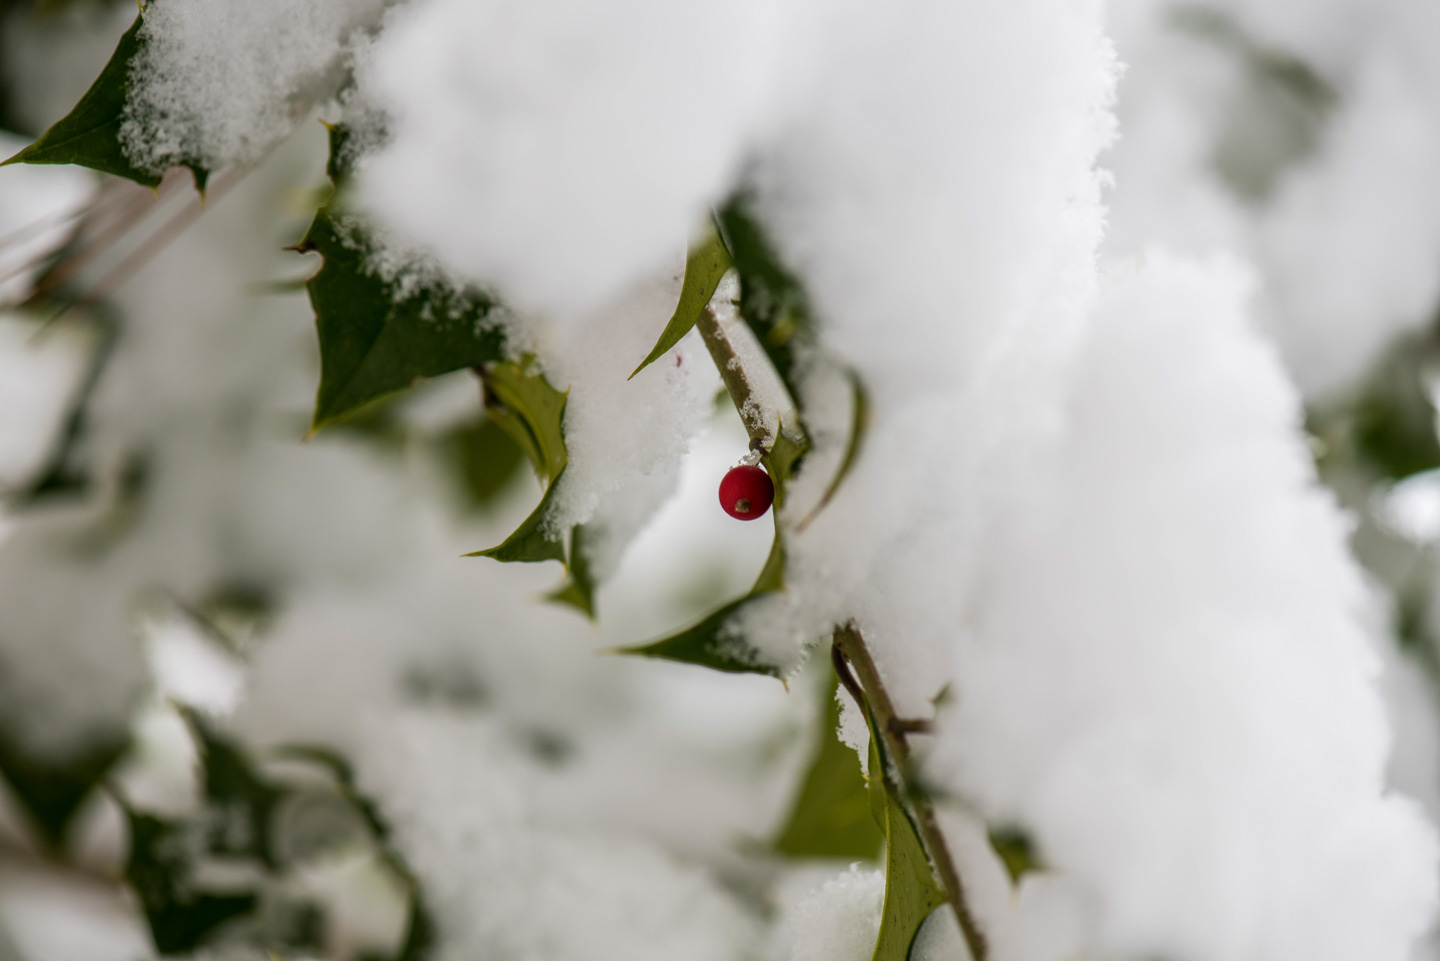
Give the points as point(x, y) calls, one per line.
point(831, 817)
point(89, 135)
point(524, 405)
point(911, 891)
point(245, 800)
point(773, 303)
point(485, 457)
point(533, 541)
point(376, 334)
point(374, 339)
point(578, 590)
point(1394, 426)
point(159, 871)
point(52, 788)
point(710, 643)
point(859, 426)
point(1016, 851)
point(704, 268)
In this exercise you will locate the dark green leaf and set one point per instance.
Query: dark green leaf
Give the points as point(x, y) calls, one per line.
point(160, 873)
point(89, 135)
point(859, 425)
point(706, 265)
point(1016, 851)
point(376, 334)
point(831, 817)
point(578, 591)
point(911, 891)
point(533, 541)
point(711, 643)
point(485, 457)
point(375, 340)
point(1394, 427)
point(244, 799)
point(772, 301)
point(53, 787)
point(525, 406)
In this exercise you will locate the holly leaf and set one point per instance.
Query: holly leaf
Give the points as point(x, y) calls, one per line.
point(831, 817)
point(1394, 426)
point(773, 302)
point(380, 334)
point(525, 406)
point(243, 798)
point(53, 788)
point(859, 426)
point(160, 873)
point(578, 590)
point(911, 891)
point(376, 339)
point(485, 457)
point(1016, 851)
point(89, 135)
point(704, 268)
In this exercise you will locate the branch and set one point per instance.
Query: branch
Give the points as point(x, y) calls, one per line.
point(732, 372)
point(850, 647)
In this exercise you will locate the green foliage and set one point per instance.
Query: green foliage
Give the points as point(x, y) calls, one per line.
point(244, 800)
point(1394, 422)
point(526, 407)
point(160, 872)
point(705, 266)
point(831, 817)
point(89, 135)
point(374, 340)
point(911, 891)
point(377, 335)
point(773, 303)
point(859, 426)
point(52, 788)
point(485, 457)
point(1016, 851)
point(239, 825)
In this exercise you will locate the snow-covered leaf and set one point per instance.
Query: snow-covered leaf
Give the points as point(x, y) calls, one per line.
point(705, 266)
point(53, 787)
point(375, 336)
point(160, 872)
point(772, 300)
point(523, 404)
point(89, 135)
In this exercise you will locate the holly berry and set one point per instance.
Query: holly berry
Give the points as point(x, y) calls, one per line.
point(746, 492)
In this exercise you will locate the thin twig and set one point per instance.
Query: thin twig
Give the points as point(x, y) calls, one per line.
point(732, 372)
point(849, 646)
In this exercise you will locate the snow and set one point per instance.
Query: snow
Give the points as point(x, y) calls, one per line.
point(1085, 506)
point(1205, 746)
point(221, 83)
point(563, 151)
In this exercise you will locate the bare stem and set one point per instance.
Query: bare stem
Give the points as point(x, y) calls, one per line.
point(732, 372)
point(849, 646)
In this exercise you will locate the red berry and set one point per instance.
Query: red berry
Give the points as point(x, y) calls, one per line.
point(746, 492)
